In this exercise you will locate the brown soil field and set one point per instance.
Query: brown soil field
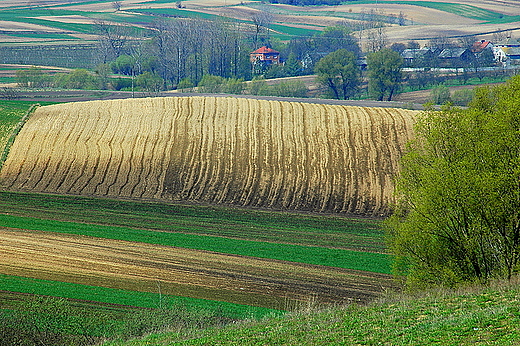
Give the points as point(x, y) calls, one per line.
point(231, 151)
point(182, 272)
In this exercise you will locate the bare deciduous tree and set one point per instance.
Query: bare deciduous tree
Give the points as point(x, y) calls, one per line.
point(112, 39)
point(261, 21)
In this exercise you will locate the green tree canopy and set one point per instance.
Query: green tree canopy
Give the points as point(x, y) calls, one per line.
point(384, 73)
point(339, 72)
point(458, 213)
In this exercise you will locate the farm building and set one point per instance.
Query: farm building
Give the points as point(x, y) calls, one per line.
point(456, 57)
point(418, 57)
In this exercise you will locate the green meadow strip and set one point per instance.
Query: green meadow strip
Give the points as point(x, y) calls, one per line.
point(122, 297)
point(373, 262)
point(15, 132)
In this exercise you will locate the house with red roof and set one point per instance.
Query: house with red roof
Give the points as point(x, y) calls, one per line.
point(265, 55)
point(480, 46)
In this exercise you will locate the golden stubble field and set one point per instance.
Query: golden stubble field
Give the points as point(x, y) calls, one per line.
point(182, 272)
point(241, 152)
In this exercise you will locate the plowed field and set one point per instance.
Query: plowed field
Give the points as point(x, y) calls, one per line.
point(183, 272)
point(243, 152)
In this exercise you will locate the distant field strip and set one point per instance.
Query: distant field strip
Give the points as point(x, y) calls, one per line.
point(463, 10)
point(177, 271)
point(242, 152)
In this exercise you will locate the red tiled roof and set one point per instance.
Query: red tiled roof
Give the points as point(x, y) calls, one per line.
point(480, 46)
point(264, 50)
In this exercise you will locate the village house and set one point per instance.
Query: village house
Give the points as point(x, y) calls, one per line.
point(507, 52)
point(265, 55)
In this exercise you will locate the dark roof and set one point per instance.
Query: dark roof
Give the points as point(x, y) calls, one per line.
point(452, 53)
point(509, 42)
point(415, 53)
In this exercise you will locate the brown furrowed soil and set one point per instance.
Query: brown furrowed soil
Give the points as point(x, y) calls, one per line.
point(243, 152)
point(183, 272)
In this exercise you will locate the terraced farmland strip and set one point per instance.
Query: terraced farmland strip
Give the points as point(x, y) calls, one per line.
point(17, 288)
point(245, 152)
point(301, 229)
point(374, 262)
point(178, 271)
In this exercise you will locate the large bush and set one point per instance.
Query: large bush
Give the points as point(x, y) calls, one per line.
point(458, 216)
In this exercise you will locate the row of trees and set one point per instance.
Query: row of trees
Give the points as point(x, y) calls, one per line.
point(151, 83)
point(178, 49)
point(341, 74)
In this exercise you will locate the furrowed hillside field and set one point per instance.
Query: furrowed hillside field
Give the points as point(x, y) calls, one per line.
point(243, 152)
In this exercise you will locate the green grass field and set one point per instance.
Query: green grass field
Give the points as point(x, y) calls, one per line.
point(10, 114)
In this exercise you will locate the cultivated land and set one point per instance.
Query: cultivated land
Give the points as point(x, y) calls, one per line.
point(266, 259)
point(276, 260)
point(69, 22)
point(242, 152)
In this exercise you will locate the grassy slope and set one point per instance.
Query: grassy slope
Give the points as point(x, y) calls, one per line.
point(489, 317)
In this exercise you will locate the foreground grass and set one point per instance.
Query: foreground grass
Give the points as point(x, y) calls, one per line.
point(487, 317)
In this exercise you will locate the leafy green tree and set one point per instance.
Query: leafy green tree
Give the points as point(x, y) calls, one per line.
point(462, 97)
point(295, 88)
point(124, 64)
point(292, 66)
point(33, 77)
point(258, 86)
point(77, 79)
point(185, 85)
point(440, 94)
point(149, 82)
point(233, 86)
point(339, 72)
point(210, 84)
point(384, 73)
point(458, 213)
